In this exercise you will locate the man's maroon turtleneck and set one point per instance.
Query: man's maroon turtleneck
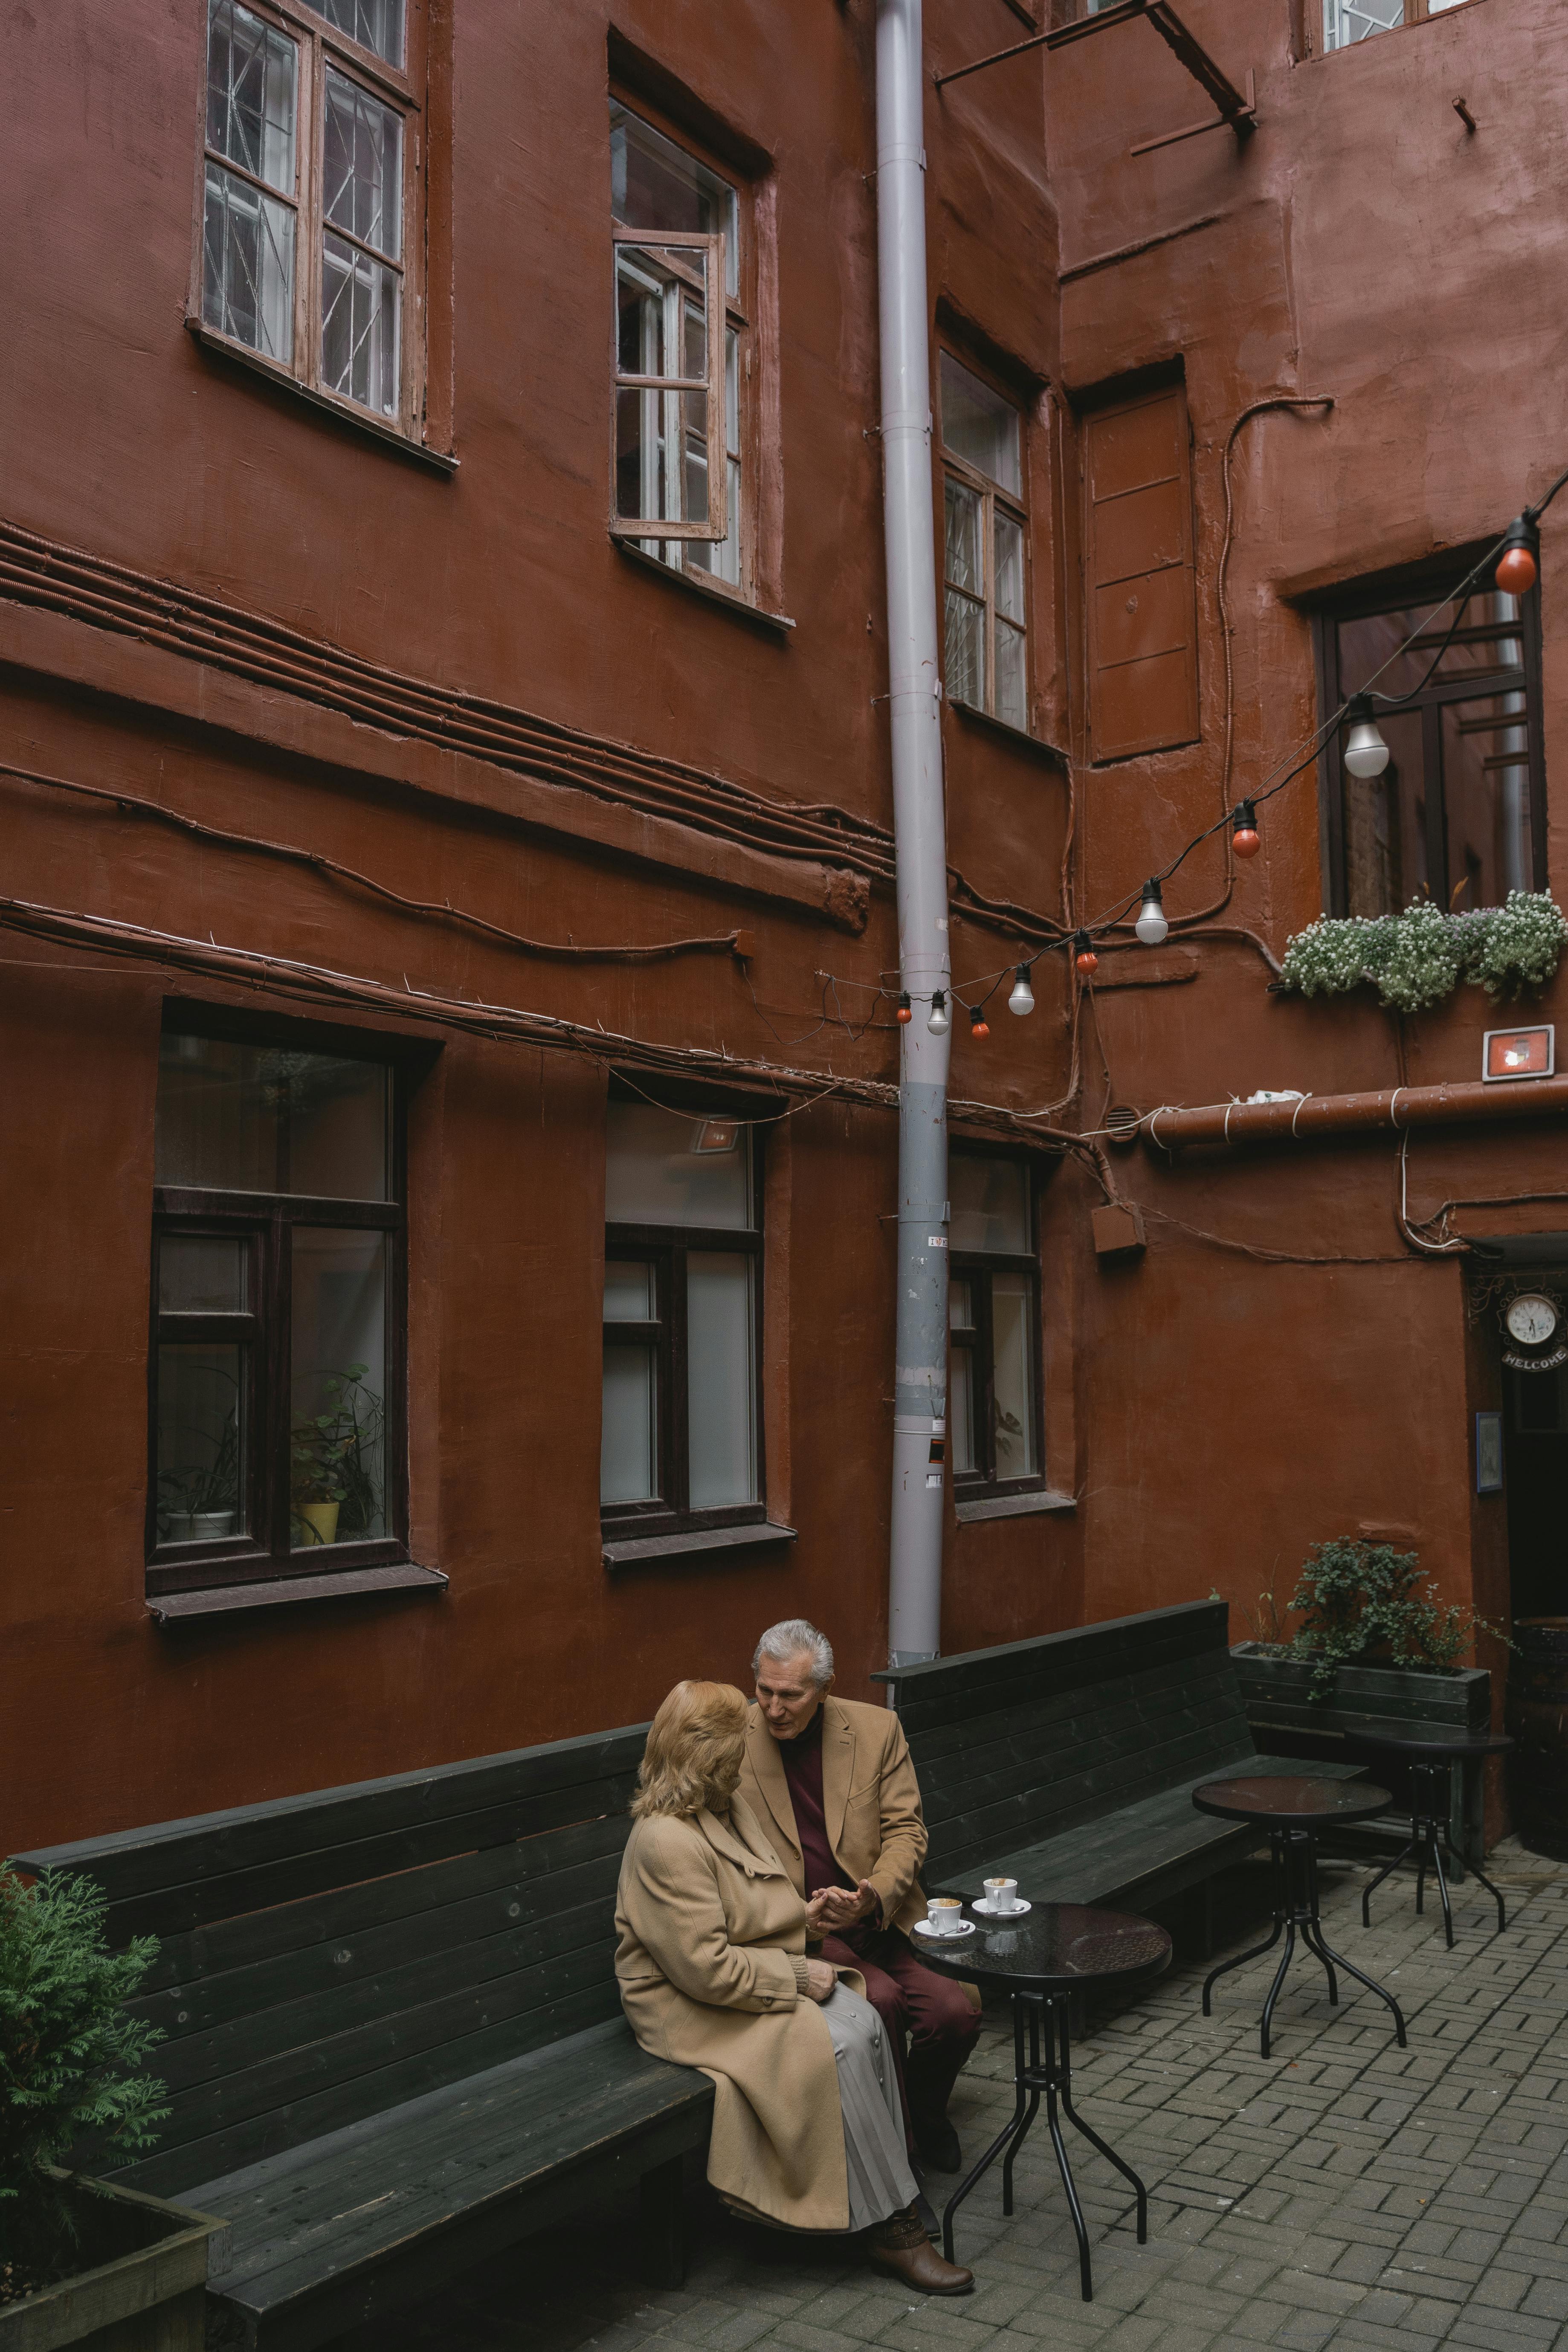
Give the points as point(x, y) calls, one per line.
point(802, 1761)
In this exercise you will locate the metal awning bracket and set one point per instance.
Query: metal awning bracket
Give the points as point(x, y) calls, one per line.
point(1236, 111)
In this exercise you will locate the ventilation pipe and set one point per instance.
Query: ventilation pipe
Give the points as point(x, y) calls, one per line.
point(919, 1376)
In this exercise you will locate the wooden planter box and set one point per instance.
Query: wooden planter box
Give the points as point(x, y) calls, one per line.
point(146, 2288)
point(1285, 1721)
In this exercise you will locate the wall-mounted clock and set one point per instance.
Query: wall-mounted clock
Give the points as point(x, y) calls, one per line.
point(1530, 1319)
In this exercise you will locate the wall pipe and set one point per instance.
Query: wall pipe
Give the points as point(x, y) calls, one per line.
point(908, 521)
point(1391, 1110)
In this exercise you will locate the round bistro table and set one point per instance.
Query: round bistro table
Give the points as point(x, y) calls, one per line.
point(1039, 1961)
point(1293, 1810)
point(1431, 1754)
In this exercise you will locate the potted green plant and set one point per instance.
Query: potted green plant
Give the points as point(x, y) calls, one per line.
point(80, 2259)
point(334, 1487)
point(199, 1500)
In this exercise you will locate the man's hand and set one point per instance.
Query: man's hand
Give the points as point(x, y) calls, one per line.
point(835, 1907)
point(820, 1979)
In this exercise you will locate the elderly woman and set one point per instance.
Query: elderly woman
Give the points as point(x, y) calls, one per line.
point(807, 2131)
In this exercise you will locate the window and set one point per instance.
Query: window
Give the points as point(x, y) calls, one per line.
point(311, 213)
point(682, 354)
point(985, 605)
point(993, 1377)
point(275, 1420)
point(1458, 813)
point(1345, 21)
point(1142, 608)
point(680, 1442)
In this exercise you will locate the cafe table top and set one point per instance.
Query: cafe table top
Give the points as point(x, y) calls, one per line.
point(1292, 1801)
point(1053, 1948)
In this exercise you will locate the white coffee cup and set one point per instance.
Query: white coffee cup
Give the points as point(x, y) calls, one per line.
point(1002, 1894)
point(944, 1914)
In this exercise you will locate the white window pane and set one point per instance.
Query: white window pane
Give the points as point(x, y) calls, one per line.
point(337, 1469)
point(360, 304)
point(1013, 1339)
point(252, 79)
point(1345, 21)
point(664, 1168)
point(361, 166)
point(990, 1203)
point(979, 427)
point(247, 266)
point(250, 1119)
point(965, 636)
point(628, 1443)
point(1009, 558)
point(630, 1292)
point(1012, 698)
point(655, 185)
point(960, 1409)
point(965, 537)
point(721, 1397)
point(375, 24)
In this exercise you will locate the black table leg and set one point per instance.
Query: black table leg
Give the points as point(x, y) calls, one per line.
point(1295, 1860)
point(1256, 1951)
point(1312, 1932)
point(1429, 1835)
point(1049, 2072)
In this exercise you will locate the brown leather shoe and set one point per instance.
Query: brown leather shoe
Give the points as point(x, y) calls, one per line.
point(901, 2246)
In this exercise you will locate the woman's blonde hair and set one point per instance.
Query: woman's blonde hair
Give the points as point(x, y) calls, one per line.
point(695, 1745)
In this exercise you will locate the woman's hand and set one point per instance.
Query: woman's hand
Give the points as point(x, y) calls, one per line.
point(820, 1979)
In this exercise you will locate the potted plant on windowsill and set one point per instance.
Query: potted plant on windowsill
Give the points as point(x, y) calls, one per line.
point(334, 1489)
point(199, 1501)
point(82, 2261)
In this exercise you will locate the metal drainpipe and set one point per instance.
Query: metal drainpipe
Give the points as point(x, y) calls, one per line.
point(920, 1378)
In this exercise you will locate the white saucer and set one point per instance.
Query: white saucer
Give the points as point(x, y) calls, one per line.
point(945, 1935)
point(1017, 1912)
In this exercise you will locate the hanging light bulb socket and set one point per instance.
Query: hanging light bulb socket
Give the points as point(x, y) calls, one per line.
point(905, 1010)
point(1518, 565)
point(978, 1025)
point(939, 1024)
point(1244, 838)
point(1084, 959)
point(1151, 926)
point(1366, 753)
point(1022, 1000)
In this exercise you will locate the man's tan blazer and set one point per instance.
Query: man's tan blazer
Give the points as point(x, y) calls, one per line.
point(870, 1795)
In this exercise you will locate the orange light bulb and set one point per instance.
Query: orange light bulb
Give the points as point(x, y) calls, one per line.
point(1516, 572)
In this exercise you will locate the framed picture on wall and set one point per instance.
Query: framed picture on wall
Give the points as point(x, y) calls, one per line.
point(1488, 1452)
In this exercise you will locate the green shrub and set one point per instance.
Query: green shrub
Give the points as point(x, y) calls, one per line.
point(1366, 1604)
point(70, 2063)
point(1417, 958)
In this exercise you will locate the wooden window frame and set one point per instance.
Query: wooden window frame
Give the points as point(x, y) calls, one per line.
point(405, 91)
point(741, 315)
point(667, 1247)
point(266, 1222)
point(976, 1267)
point(1424, 588)
point(1416, 12)
point(710, 283)
point(1017, 510)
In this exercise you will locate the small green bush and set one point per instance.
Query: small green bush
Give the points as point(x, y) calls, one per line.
point(1417, 958)
point(1365, 1604)
point(70, 2063)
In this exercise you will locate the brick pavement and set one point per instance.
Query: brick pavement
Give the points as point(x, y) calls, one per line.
point(1343, 2192)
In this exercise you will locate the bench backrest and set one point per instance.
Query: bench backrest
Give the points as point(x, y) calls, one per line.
point(325, 1957)
point(1015, 1744)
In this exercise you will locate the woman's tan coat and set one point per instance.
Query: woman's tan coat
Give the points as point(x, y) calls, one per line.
point(712, 1970)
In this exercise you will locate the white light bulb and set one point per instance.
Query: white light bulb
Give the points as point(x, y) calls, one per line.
point(939, 1024)
point(1151, 926)
point(1366, 753)
point(1022, 1000)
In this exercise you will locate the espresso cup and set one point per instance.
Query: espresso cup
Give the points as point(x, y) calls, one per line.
point(1002, 1894)
point(944, 1914)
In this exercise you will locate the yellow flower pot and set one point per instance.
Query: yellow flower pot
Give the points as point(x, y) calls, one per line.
point(321, 1518)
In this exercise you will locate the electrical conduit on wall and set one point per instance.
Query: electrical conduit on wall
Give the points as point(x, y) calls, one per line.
point(920, 1406)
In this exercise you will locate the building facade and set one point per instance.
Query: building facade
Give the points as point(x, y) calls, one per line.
point(450, 987)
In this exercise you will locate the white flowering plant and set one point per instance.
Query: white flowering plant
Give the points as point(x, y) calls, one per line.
point(1417, 958)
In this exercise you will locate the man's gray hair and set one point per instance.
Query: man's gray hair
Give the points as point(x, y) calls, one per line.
point(787, 1639)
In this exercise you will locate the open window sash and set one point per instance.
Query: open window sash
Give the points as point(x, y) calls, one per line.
point(669, 457)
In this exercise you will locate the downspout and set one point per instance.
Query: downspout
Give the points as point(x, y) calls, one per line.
point(919, 1375)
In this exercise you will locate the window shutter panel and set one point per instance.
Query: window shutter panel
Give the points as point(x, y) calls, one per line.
point(1142, 641)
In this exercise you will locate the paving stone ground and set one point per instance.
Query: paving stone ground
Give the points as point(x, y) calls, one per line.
point(1341, 2192)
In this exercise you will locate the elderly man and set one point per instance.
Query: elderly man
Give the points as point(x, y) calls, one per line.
point(833, 1783)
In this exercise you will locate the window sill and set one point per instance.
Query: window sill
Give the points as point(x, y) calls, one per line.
point(356, 420)
point(284, 1591)
point(1015, 1506)
point(696, 1543)
point(990, 724)
point(778, 623)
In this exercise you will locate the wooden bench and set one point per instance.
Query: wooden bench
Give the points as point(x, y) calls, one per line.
point(395, 2039)
point(1069, 1762)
